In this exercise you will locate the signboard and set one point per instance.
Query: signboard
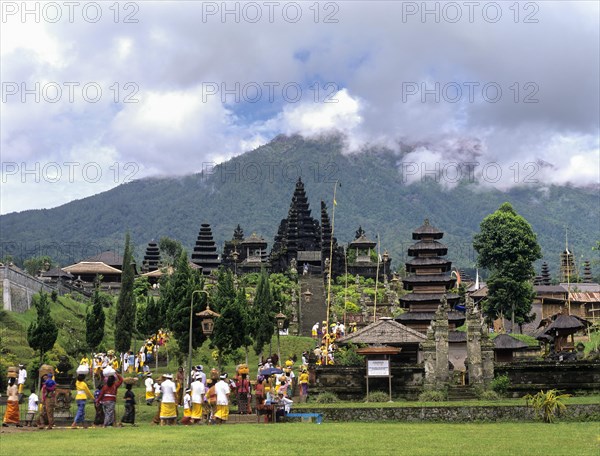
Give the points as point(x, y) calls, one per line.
point(378, 368)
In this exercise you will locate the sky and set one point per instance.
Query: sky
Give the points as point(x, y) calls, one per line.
point(96, 94)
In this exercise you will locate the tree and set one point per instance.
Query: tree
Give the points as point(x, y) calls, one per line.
point(42, 333)
point(149, 318)
point(95, 320)
point(263, 315)
point(36, 264)
point(232, 327)
point(125, 316)
point(507, 246)
point(176, 299)
point(170, 250)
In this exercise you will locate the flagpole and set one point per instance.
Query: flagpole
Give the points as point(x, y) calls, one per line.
point(330, 259)
point(346, 287)
point(376, 279)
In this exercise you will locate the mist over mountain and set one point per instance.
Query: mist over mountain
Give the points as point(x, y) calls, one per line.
point(386, 192)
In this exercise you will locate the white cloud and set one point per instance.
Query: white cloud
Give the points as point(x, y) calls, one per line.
point(371, 55)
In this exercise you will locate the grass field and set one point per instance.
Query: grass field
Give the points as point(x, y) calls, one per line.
point(304, 439)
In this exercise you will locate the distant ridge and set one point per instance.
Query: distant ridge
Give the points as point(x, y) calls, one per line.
point(255, 189)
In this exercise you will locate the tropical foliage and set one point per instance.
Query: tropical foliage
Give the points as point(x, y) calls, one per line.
point(547, 405)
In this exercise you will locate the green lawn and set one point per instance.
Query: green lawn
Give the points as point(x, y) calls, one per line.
point(332, 438)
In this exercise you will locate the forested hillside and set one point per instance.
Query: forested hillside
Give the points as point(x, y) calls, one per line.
point(255, 190)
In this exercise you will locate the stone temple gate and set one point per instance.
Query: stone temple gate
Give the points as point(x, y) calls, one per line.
point(480, 350)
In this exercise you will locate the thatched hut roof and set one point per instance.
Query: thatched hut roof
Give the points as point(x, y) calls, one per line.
point(385, 331)
point(566, 324)
point(507, 342)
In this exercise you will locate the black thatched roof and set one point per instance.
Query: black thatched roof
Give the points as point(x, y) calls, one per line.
point(507, 342)
point(564, 323)
point(428, 230)
point(426, 297)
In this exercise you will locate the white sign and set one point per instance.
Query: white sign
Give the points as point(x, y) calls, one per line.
point(378, 367)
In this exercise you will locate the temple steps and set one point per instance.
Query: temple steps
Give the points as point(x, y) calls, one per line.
point(316, 309)
point(461, 393)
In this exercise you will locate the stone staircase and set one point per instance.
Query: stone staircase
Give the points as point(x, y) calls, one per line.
point(316, 309)
point(461, 393)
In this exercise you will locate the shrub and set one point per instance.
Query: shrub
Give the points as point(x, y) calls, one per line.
point(547, 405)
point(378, 396)
point(347, 356)
point(432, 396)
point(488, 395)
point(326, 398)
point(500, 384)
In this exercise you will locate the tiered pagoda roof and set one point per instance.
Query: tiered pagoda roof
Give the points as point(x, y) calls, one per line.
point(151, 261)
point(205, 251)
point(429, 280)
point(299, 232)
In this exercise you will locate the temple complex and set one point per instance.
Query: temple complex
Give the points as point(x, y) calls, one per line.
point(429, 280)
point(205, 251)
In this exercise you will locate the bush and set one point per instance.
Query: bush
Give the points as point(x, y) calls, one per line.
point(488, 395)
point(500, 384)
point(347, 356)
point(378, 396)
point(432, 396)
point(326, 398)
point(547, 405)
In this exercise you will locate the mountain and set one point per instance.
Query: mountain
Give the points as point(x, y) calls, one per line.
point(255, 190)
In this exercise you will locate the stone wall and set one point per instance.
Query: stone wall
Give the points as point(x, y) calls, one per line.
point(349, 383)
point(18, 289)
point(533, 376)
point(578, 412)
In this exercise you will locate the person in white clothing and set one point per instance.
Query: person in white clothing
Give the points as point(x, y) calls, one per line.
point(200, 374)
point(149, 383)
point(32, 408)
point(197, 394)
point(168, 405)
point(21, 381)
point(222, 391)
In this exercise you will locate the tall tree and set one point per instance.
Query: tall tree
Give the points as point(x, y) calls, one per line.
point(149, 318)
point(231, 328)
point(263, 314)
point(170, 250)
point(125, 316)
point(507, 247)
point(95, 319)
point(224, 293)
point(176, 299)
point(43, 332)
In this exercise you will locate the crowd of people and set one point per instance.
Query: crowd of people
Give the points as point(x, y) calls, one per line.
point(203, 399)
point(325, 351)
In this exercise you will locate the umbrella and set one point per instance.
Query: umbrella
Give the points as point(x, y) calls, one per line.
point(270, 371)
